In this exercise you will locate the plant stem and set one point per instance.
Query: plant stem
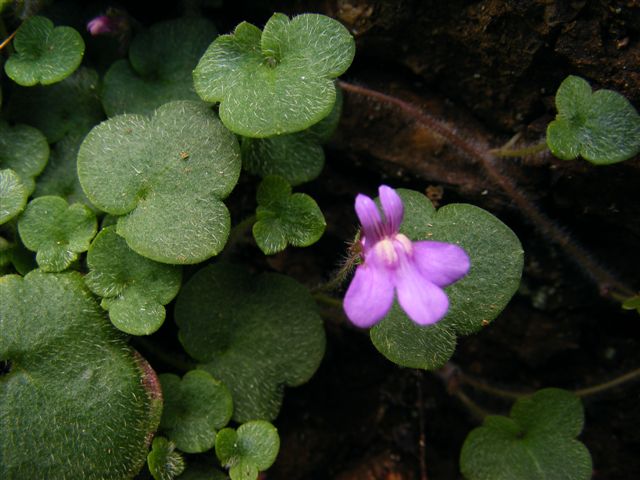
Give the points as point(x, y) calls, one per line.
point(327, 300)
point(7, 40)
point(520, 152)
point(607, 284)
point(602, 387)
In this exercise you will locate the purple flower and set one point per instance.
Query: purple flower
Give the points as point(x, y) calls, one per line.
point(392, 262)
point(115, 22)
point(101, 25)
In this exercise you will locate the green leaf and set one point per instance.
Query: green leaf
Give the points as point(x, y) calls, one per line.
point(255, 333)
point(195, 408)
point(632, 303)
point(24, 150)
point(60, 176)
point(283, 218)
point(159, 69)
point(536, 443)
point(134, 288)
point(56, 231)
point(13, 195)
point(602, 127)
point(69, 107)
point(298, 157)
point(201, 470)
point(167, 174)
point(13, 252)
point(277, 81)
point(251, 449)
point(163, 461)
point(77, 402)
point(44, 54)
point(496, 267)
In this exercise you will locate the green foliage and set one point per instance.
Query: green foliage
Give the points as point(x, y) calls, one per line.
point(24, 150)
point(134, 288)
point(249, 450)
point(632, 303)
point(69, 107)
point(496, 266)
point(56, 231)
point(201, 470)
point(279, 80)
point(298, 157)
point(283, 218)
point(602, 127)
point(195, 408)
point(77, 402)
point(167, 174)
point(44, 54)
point(536, 443)
point(255, 333)
point(13, 195)
point(163, 461)
point(159, 69)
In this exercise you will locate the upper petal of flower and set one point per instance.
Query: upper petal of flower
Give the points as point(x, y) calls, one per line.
point(439, 262)
point(423, 301)
point(392, 208)
point(369, 296)
point(369, 219)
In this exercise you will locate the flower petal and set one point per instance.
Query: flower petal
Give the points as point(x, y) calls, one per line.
point(441, 263)
point(369, 296)
point(392, 207)
point(423, 301)
point(370, 219)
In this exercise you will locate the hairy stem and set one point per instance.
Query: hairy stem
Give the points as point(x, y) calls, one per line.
point(607, 284)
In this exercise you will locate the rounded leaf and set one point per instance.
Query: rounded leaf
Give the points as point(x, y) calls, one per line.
point(161, 61)
point(24, 150)
point(279, 80)
point(13, 195)
point(163, 461)
point(255, 333)
point(56, 231)
point(602, 127)
point(474, 301)
point(77, 402)
point(167, 175)
point(536, 443)
point(195, 408)
point(134, 288)
point(44, 54)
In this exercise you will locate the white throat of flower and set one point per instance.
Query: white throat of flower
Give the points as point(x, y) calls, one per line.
point(391, 248)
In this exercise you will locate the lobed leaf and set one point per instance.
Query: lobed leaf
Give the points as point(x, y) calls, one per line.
point(195, 408)
point(602, 127)
point(255, 333)
point(44, 54)
point(159, 68)
point(76, 401)
point(13, 195)
point(24, 150)
point(166, 175)
point(134, 288)
point(476, 300)
point(249, 450)
point(163, 461)
point(536, 443)
point(277, 81)
point(56, 231)
point(283, 218)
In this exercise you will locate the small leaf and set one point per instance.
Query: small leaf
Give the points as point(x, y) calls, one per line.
point(60, 176)
point(277, 81)
point(283, 218)
point(496, 267)
point(44, 54)
point(77, 402)
point(13, 195)
point(134, 288)
point(602, 127)
point(195, 408)
point(163, 461)
point(298, 157)
point(632, 303)
point(56, 231)
point(159, 69)
point(24, 150)
point(167, 175)
point(251, 449)
point(201, 470)
point(69, 107)
point(256, 334)
point(536, 443)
